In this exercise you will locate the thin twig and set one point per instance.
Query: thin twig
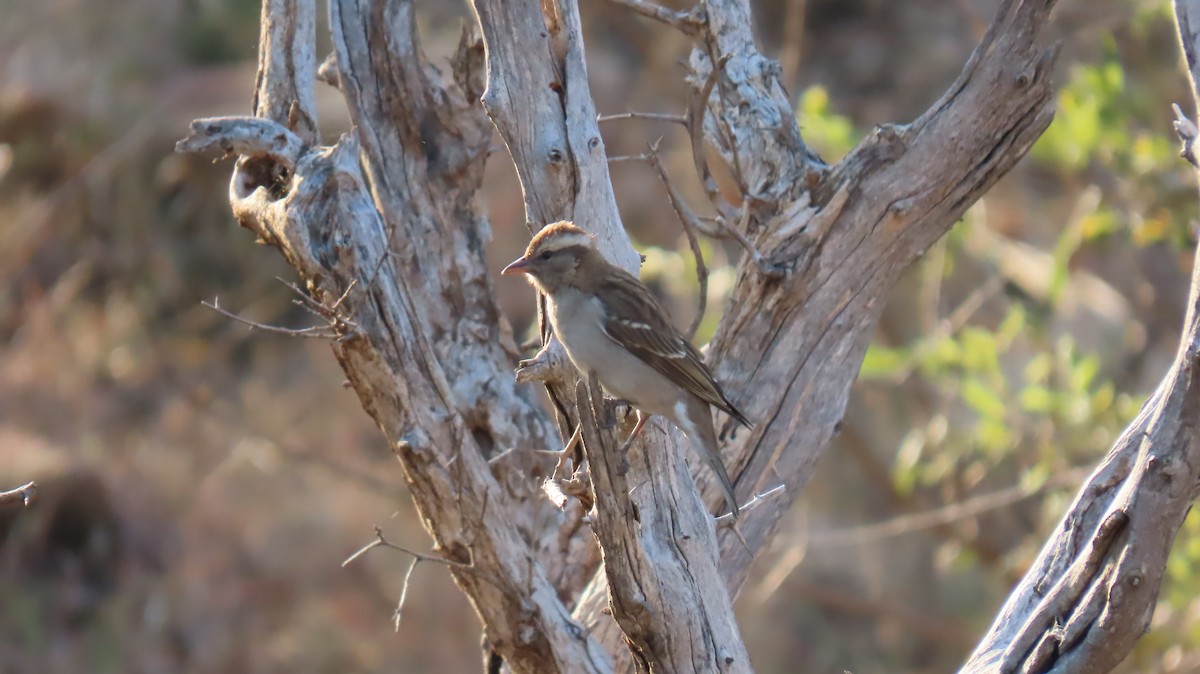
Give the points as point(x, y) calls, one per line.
point(695, 115)
point(688, 220)
point(653, 116)
point(314, 332)
point(629, 157)
point(792, 50)
point(379, 267)
point(765, 266)
point(950, 513)
point(686, 22)
point(345, 294)
point(723, 230)
point(24, 494)
point(338, 322)
point(308, 300)
point(310, 309)
point(950, 325)
point(907, 524)
point(942, 631)
point(398, 615)
point(381, 542)
point(727, 519)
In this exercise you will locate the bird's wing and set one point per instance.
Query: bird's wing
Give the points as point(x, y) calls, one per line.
point(637, 321)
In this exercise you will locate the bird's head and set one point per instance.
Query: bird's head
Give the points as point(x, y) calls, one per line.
point(555, 257)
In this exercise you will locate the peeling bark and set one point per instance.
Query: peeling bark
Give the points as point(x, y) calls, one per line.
point(386, 232)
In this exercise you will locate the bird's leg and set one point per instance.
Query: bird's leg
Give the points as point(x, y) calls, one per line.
point(611, 405)
point(642, 418)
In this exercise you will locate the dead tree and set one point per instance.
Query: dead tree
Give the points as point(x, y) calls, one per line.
point(385, 231)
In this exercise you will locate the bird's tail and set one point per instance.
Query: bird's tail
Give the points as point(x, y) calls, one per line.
point(698, 426)
point(714, 462)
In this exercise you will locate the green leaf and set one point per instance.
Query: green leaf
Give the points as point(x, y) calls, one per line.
point(994, 436)
point(983, 399)
point(1103, 398)
point(833, 135)
point(1035, 477)
point(1037, 399)
point(882, 362)
point(904, 472)
point(1011, 327)
point(1039, 368)
point(1084, 373)
point(940, 355)
point(980, 352)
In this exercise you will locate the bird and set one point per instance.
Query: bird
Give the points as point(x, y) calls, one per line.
point(610, 323)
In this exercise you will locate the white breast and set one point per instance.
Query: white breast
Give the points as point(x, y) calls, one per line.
point(577, 319)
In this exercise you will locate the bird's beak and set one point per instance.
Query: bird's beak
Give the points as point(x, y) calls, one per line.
point(518, 266)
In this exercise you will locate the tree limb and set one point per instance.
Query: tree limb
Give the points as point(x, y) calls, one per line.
point(409, 362)
point(661, 574)
point(25, 494)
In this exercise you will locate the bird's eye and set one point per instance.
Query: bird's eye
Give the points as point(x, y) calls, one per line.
point(546, 255)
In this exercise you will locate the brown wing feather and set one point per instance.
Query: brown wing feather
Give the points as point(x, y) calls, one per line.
point(637, 321)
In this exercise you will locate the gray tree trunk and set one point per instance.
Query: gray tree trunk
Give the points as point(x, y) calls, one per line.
point(386, 231)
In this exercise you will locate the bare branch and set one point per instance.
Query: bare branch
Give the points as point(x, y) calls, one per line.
point(287, 66)
point(686, 22)
point(617, 159)
point(690, 224)
point(398, 615)
point(695, 116)
point(727, 520)
point(325, 221)
point(246, 136)
point(25, 494)
point(1066, 593)
point(328, 71)
point(653, 116)
point(953, 512)
point(381, 542)
point(314, 332)
point(666, 580)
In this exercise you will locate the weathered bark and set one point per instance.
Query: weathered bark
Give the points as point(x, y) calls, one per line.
point(391, 252)
point(401, 343)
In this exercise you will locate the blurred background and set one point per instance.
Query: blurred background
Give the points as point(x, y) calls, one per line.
point(201, 484)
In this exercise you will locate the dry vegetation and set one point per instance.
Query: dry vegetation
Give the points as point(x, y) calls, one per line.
point(200, 484)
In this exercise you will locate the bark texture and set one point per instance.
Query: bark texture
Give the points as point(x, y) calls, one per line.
point(385, 230)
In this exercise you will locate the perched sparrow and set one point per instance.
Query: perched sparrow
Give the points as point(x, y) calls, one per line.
point(611, 324)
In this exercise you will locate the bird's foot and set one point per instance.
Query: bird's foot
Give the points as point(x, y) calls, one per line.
point(612, 411)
